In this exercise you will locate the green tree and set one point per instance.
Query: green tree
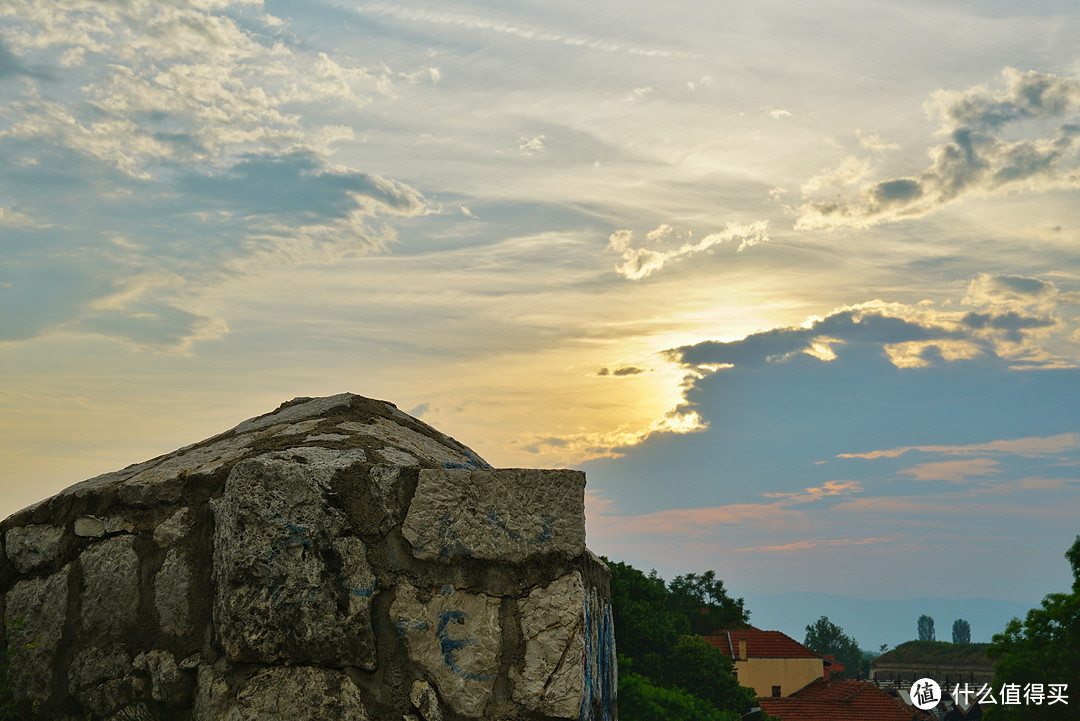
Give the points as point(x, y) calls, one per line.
point(645, 626)
point(705, 603)
point(1044, 648)
point(926, 628)
point(825, 637)
point(640, 699)
point(961, 631)
point(695, 665)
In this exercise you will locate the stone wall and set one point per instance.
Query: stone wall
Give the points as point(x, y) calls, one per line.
point(335, 559)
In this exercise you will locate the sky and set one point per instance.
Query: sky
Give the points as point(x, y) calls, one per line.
point(796, 284)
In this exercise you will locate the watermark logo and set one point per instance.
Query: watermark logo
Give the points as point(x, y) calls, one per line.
point(925, 694)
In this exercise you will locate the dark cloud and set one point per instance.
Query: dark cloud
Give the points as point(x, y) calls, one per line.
point(627, 371)
point(299, 183)
point(975, 158)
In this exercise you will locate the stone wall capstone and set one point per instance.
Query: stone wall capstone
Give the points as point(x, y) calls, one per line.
point(334, 559)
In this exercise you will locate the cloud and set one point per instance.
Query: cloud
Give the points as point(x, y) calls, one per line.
point(642, 262)
point(809, 544)
point(955, 471)
point(976, 158)
point(692, 522)
point(528, 146)
point(524, 32)
point(1030, 447)
point(920, 335)
point(829, 488)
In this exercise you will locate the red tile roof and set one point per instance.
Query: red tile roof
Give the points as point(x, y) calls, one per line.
point(822, 701)
point(760, 644)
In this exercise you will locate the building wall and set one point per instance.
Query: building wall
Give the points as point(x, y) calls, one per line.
point(790, 674)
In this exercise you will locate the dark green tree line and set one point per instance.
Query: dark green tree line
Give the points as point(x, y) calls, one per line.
point(1042, 649)
point(665, 671)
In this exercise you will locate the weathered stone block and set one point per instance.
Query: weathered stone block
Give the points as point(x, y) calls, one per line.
point(291, 584)
point(110, 598)
point(33, 546)
point(455, 636)
point(173, 589)
point(507, 514)
point(101, 678)
point(89, 527)
point(41, 604)
point(298, 693)
point(426, 701)
point(570, 662)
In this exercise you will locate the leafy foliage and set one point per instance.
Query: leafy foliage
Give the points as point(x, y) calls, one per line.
point(1043, 649)
point(825, 637)
point(641, 700)
point(704, 601)
point(665, 672)
point(926, 628)
point(961, 631)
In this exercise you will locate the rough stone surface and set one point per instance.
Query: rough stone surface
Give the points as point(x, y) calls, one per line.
point(570, 663)
point(41, 604)
point(110, 599)
point(333, 559)
point(291, 585)
point(298, 693)
point(173, 590)
point(89, 527)
point(455, 636)
point(425, 700)
point(497, 515)
point(29, 547)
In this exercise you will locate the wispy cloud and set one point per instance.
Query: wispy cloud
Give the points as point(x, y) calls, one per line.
point(829, 488)
point(955, 471)
point(976, 158)
point(472, 21)
point(1030, 447)
point(818, 543)
point(641, 262)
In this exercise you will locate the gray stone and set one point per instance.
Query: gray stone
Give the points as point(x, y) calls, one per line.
point(110, 598)
point(169, 684)
point(570, 663)
point(291, 585)
point(327, 437)
point(173, 590)
point(455, 636)
point(41, 606)
point(308, 408)
point(416, 444)
point(426, 701)
point(507, 514)
point(101, 678)
point(30, 547)
point(298, 693)
point(174, 528)
point(162, 483)
point(398, 458)
point(89, 527)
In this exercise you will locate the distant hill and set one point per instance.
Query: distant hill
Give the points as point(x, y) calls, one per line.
point(873, 622)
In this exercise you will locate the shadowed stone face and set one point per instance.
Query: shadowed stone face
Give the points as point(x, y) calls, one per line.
point(291, 584)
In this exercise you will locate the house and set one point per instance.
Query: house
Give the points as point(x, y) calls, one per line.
point(771, 662)
point(829, 701)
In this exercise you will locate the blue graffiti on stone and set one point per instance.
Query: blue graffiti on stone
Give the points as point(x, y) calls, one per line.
point(449, 645)
point(547, 523)
point(600, 669)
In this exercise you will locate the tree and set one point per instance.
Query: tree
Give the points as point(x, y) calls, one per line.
point(961, 631)
point(642, 700)
point(705, 603)
point(825, 637)
point(1044, 648)
point(926, 628)
point(645, 626)
point(697, 666)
